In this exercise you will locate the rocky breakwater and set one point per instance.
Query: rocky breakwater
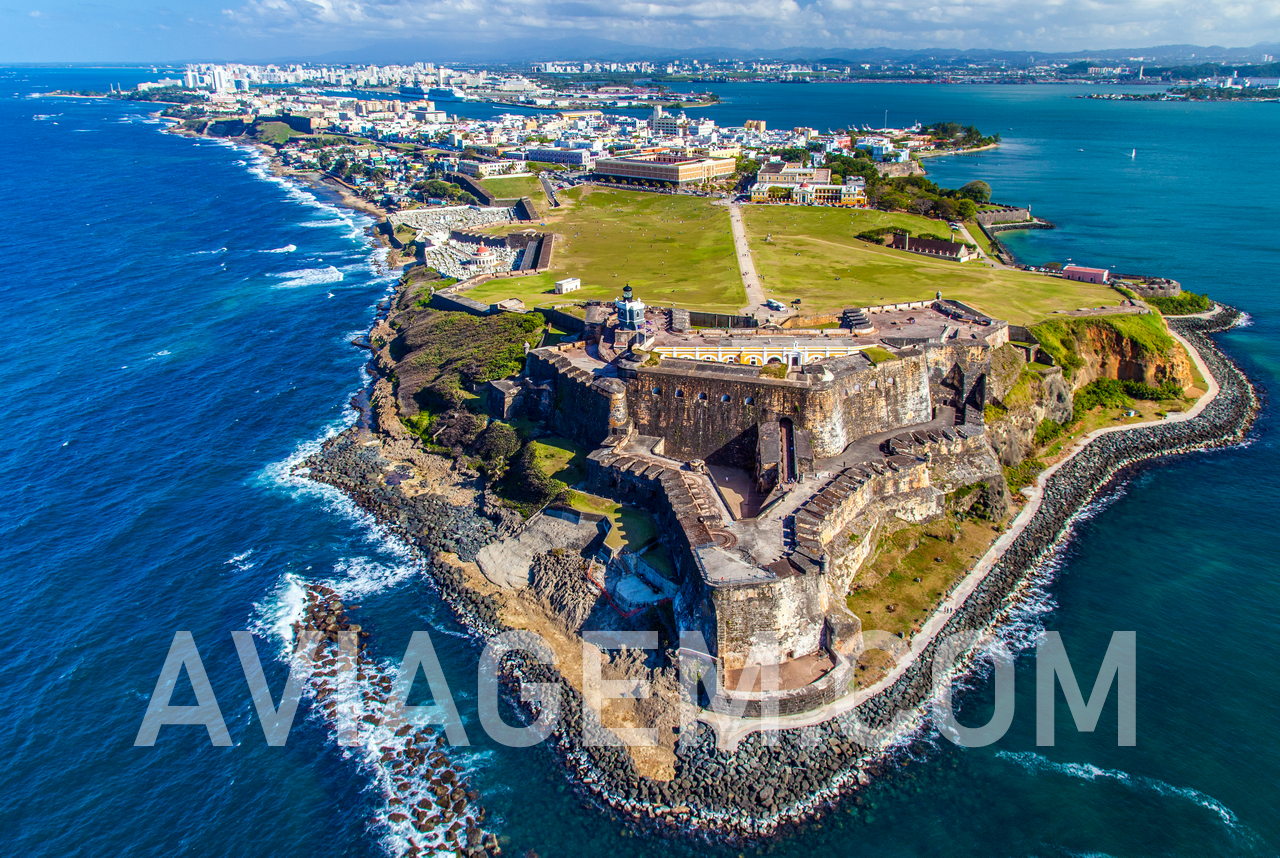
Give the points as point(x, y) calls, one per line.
point(429, 807)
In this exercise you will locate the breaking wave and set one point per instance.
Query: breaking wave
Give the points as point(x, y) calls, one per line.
point(308, 277)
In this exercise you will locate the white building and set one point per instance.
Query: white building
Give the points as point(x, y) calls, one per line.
point(568, 284)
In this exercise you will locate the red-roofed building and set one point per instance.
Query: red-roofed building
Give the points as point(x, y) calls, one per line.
point(1086, 275)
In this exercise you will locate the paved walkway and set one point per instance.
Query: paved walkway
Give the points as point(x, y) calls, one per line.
point(747, 267)
point(746, 263)
point(730, 730)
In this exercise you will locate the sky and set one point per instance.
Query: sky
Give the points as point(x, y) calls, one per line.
point(159, 31)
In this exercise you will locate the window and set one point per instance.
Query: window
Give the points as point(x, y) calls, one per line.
point(749, 400)
point(724, 397)
point(656, 390)
point(679, 393)
point(702, 397)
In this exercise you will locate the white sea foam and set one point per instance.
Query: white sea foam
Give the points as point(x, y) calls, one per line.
point(308, 277)
point(361, 577)
point(1034, 762)
point(209, 252)
point(288, 248)
point(274, 616)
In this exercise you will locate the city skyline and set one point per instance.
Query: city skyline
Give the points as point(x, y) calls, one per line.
point(518, 30)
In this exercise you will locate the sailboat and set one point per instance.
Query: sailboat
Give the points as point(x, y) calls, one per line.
point(1133, 154)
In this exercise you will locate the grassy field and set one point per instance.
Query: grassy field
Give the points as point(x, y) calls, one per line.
point(674, 249)
point(514, 187)
point(812, 254)
point(913, 569)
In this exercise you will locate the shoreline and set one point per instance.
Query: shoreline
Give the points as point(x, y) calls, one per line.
point(945, 153)
point(695, 804)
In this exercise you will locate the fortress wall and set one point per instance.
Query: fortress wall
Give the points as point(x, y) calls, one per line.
point(581, 406)
point(973, 360)
point(699, 414)
point(852, 504)
point(788, 610)
point(887, 396)
point(700, 420)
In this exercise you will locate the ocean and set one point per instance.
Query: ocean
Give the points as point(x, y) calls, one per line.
point(177, 333)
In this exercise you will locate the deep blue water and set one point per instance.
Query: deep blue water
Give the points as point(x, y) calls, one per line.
point(163, 369)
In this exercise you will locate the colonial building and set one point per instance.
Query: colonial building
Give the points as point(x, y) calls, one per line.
point(785, 182)
point(933, 247)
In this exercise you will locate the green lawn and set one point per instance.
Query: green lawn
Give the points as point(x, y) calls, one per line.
point(561, 459)
point(633, 528)
point(514, 187)
point(672, 249)
point(812, 254)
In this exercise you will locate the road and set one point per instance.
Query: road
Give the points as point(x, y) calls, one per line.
point(549, 191)
point(967, 237)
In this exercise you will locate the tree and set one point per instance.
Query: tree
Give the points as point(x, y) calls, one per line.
point(945, 209)
point(966, 208)
point(792, 153)
point(977, 190)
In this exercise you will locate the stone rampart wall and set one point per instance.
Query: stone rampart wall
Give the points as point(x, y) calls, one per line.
point(788, 610)
point(700, 413)
point(578, 405)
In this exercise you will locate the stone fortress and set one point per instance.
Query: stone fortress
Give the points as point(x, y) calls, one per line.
point(773, 460)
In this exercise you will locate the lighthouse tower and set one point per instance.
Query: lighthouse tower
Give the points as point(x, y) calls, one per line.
point(630, 310)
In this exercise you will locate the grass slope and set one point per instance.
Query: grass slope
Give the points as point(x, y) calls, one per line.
point(672, 249)
point(809, 248)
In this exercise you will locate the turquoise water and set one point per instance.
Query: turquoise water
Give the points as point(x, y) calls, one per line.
point(165, 367)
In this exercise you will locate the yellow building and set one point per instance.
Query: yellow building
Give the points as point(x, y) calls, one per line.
point(762, 351)
point(672, 167)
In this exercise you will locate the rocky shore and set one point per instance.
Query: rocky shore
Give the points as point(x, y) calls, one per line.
point(764, 784)
point(430, 805)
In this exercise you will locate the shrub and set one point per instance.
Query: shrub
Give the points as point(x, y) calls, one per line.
point(1023, 474)
point(1103, 393)
point(496, 445)
point(1047, 431)
point(1182, 305)
point(527, 485)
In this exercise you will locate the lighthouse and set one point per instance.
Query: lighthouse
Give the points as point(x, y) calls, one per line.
point(630, 310)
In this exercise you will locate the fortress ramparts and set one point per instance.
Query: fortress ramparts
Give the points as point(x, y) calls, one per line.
point(773, 464)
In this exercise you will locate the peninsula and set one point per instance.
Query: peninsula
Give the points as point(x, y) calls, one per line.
point(775, 399)
point(734, 422)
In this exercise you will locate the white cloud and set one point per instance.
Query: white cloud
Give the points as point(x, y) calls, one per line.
point(1040, 25)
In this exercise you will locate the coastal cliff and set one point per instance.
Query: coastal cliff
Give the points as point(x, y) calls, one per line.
point(1025, 391)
